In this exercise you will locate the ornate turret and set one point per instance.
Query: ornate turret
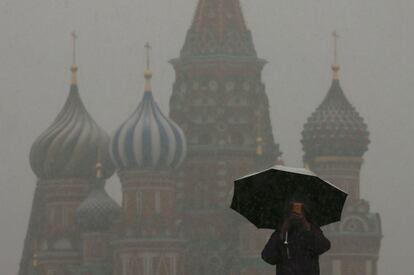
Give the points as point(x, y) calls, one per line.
point(63, 158)
point(69, 147)
point(220, 102)
point(335, 128)
point(148, 139)
point(218, 91)
point(335, 139)
point(96, 216)
point(98, 212)
point(147, 149)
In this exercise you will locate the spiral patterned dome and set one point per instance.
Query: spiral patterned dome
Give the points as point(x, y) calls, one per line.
point(69, 147)
point(335, 128)
point(98, 212)
point(148, 139)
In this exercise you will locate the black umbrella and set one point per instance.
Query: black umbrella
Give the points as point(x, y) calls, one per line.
point(262, 197)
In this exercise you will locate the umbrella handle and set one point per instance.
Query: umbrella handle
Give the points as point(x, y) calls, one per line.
point(286, 243)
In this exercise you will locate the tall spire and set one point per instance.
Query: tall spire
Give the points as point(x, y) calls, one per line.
point(219, 15)
point(335, 66)
point(218, 29)
point(148, 73)
point(74, 67)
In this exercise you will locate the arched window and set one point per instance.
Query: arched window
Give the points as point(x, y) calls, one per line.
point(162, 268)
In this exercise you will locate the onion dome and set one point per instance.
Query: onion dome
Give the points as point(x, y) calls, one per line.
point(148, 139)
point(98, 212)
point(335, 128)
point(69, 147)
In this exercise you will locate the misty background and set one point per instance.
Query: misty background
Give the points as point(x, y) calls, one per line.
point(375, 53)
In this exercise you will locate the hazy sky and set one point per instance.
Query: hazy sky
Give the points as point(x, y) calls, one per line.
point(376, 58)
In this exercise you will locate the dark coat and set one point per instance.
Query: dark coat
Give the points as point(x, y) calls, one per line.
point(304, 250)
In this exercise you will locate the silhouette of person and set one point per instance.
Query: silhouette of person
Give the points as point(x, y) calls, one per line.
point(296, 246)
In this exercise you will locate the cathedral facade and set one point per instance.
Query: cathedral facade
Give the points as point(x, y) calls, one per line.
point(177, 170)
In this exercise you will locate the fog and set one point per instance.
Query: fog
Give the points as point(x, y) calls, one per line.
point(375, 53)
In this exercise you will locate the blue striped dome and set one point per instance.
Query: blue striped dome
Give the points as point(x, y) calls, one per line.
point(148, 139)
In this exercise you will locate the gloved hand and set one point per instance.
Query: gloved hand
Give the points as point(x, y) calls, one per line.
point(299, 221)
point(294, 220)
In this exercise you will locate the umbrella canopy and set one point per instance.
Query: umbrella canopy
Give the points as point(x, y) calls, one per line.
point(262, 197)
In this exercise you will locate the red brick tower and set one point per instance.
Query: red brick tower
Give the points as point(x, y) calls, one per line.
point(63, 158)
point(147, 149)
point(335, 139)
point(220, 103)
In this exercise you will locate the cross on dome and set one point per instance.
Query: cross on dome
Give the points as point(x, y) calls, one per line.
point(148, 73)
point(74, 67)
point(335, 66)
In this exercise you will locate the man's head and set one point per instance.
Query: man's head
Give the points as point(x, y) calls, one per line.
point(296, 214)
point(297, 208)
point(299, 204)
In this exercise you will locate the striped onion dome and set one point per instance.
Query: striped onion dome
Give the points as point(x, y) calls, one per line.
point(335, 128)
point(98, 212)
point(148, 139)
point(69, 147)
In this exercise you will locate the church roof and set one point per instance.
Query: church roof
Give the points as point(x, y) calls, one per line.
point(335, 128)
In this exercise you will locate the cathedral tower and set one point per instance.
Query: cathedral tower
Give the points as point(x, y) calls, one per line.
point(147, 149)
point(334, 140)
point(219, 101)
point(63, 157)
